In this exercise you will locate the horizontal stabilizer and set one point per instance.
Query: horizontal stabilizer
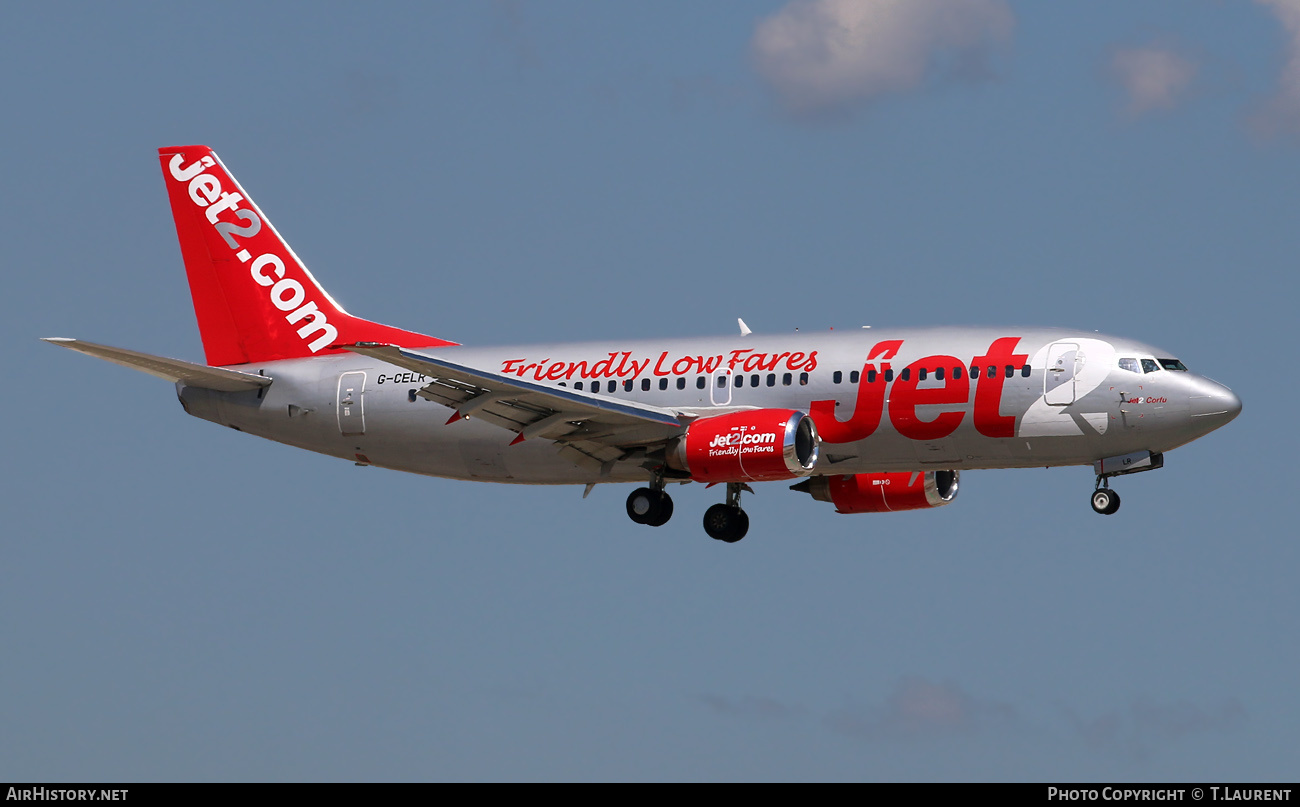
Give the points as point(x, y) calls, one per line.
point(194, 375)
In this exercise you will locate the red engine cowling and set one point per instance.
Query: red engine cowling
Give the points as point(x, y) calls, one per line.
point(754, 446)
point(883, 493)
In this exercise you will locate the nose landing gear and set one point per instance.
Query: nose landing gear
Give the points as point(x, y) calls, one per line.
point(1104, 500)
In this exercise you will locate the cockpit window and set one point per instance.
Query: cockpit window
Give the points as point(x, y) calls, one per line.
point(1130, 364)
point(1172, 364)
point(1149, 366)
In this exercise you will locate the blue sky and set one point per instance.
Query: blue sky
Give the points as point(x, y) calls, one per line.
point(182, 602)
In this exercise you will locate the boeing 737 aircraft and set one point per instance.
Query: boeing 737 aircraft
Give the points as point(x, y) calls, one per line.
point(868, 421)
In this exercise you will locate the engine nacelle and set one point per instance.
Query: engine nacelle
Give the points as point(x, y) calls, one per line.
point(883, 493)
point(754, 446)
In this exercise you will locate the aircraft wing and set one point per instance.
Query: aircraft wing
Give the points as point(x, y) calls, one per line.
point(592, 428)
point(195, 375)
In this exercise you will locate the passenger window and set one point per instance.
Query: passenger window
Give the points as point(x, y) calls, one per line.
point(645, 385)
point(906, 375)
point(663, 383)
point(1024, 371)
point(803, 379)
point(938, 374)
point(753, 381)
point(627, 385)
point(871, 376)
point(993, 371)
point(722, 381)
point(837, 377)
point(785, 379)
point(889, 373)
point(740, 380)
point(613, 385)
point(681, 382)
point(1130, 364)
point(1149, 366)
point(974, 371)
point(921, 374)
point(410, 396)
point(771, 379)
point(700, 382)
point(1010, 371)
point(577, 385)
point(956, 373)
point(854, 376)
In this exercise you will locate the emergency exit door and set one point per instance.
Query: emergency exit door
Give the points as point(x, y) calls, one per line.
point(352, 412)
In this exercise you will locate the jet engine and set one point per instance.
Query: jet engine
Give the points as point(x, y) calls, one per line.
point(884, 492)
point(753, 446)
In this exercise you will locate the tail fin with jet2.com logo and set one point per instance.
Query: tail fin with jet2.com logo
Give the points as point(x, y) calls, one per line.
point(254, 299)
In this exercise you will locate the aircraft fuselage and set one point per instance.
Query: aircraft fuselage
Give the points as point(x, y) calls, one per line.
point(898, 400)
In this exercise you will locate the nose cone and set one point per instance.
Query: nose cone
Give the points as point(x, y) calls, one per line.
point(1212, 404)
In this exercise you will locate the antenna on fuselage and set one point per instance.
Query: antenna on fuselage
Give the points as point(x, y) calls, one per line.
point(744, 329)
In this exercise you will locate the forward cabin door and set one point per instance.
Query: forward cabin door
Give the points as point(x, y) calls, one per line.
point(1063, 362)
point(352, 412)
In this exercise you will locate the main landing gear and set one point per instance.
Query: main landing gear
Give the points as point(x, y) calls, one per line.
point(727, 522)
point(723, 522)
point(652, 505)
point(1104, 500)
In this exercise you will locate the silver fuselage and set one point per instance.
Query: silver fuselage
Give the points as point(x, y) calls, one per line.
point(1074, 406)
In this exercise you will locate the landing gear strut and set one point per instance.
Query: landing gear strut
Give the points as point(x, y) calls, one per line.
point(1104, 500)
point(727, 522)
point(652, 505)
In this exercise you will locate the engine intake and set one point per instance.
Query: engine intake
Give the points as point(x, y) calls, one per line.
point(754, 446)
point(883, 492)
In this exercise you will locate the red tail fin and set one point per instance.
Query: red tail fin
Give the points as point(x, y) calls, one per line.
point(254, 299)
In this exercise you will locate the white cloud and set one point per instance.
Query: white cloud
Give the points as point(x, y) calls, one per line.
point(1154, 77)
point(829, 56)
point(1281, 114)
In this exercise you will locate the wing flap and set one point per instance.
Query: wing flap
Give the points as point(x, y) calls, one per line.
point(593, 426)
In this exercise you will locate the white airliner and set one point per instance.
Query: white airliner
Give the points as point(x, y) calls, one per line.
point(869, 421)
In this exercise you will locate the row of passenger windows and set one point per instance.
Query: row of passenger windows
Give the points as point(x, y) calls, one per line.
point(939, 373)
point(787, 379)
point(1150, 365)
point(700, 382)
